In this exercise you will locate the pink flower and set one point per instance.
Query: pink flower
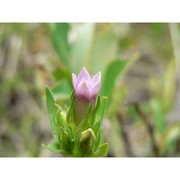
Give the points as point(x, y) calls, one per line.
point(85, 86)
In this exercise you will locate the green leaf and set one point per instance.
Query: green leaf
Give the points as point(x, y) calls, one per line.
point(85, 122)
point(95, 112)
point(96, 127)
point(82, 47)
point(105, 47)
point(159, 119)
point(98, 121)
point(50, 102)
point(101, 109)
point(169, 139)
point(169, 87)
point(62, 90)
point(61, 73)
point(66, 141)
point(60, 41)
point(102, 151)
point(118, 97)
point(70, 112)
point(115, 69)
point(54, 146)
point(98, 139)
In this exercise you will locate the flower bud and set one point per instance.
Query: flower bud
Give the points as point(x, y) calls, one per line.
point(86, 90)
point(86, 87)
point(87, 140)
point(63, 116)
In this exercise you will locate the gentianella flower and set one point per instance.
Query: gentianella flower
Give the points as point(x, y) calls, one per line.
point(78, 131)
point(85, 86)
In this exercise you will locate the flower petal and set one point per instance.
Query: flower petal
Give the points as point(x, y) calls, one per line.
point(95, 89)
point(83, 90)
point(83, 74)
point(96, 77)
point(74, 81)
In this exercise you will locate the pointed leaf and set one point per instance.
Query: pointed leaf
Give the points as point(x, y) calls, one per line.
point(62, 90)
point(82, 47)
point(98, 140)
point(50, 102)
point(60, 41)
point(115, 69)
point(70, 112)
point(96, 127)
point(54, 146)
point(102, 151)
point(159, 118)
point(95, 112)
point(102, 109)
point(87, 117)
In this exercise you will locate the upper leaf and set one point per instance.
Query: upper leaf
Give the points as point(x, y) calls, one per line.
point(82, 47)
point(115, 69)
point(60, 41)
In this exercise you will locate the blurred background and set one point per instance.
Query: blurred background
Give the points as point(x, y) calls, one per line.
point(140, 65)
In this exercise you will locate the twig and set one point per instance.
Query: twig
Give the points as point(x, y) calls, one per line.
point(121, 118)
point(149, 127)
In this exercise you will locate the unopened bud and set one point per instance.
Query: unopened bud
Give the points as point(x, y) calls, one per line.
point(85, 86)
point(63, 116)
point(86, 90)
point(87, 140)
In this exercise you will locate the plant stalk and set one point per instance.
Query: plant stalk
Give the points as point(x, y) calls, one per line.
point(149, 127)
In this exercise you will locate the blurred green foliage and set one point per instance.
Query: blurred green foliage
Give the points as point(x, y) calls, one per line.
point(139, 67)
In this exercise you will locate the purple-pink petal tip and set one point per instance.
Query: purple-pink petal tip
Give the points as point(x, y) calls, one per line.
point(85, 86)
